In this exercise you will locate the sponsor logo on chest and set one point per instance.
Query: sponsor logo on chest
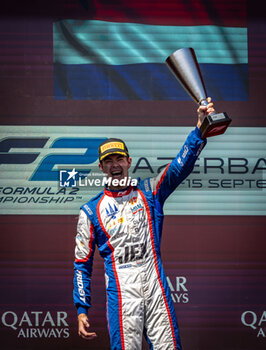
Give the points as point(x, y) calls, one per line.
point(135, 207)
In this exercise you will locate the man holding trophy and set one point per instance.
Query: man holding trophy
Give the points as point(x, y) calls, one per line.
point(126, 225)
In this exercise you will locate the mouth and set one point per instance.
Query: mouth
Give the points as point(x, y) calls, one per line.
point(117, 174)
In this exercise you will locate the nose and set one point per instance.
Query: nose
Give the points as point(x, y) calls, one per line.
point(115, 163)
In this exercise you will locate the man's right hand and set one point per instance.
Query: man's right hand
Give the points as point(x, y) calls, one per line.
point(83, 327)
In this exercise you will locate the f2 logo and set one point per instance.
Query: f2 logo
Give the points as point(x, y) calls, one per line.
point(7, 157)
point(44, 171)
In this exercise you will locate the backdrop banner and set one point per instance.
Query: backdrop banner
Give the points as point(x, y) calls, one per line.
point(55, 169)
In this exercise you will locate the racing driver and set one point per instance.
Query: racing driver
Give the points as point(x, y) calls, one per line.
point(126, 225)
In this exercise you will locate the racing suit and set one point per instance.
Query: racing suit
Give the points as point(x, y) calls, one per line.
point(127, 226)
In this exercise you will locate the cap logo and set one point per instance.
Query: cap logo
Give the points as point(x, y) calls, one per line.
point(111, 145)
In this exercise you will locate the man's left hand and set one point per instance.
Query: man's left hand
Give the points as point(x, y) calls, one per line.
point(203, 111)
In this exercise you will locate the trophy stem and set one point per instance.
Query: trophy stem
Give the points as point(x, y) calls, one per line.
point(203, 102)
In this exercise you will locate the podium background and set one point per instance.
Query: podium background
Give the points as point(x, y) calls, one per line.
point(219, 260)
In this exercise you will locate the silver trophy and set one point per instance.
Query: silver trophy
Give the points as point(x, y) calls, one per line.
point(184, 65)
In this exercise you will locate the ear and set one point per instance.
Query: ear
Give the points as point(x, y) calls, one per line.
point(129, 162)
point(100, 166)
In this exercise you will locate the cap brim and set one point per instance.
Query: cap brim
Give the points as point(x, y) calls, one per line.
point(113, 152)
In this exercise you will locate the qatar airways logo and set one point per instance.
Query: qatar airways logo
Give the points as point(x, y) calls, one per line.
point(37, 324)
point(255, 321)
point(179, 291)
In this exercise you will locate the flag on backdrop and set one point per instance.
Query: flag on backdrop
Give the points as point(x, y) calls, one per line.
point(118, 51)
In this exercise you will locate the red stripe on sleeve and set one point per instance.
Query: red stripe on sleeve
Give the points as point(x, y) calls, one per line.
point(161, 180)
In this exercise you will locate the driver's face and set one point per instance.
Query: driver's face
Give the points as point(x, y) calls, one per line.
point(116, 166)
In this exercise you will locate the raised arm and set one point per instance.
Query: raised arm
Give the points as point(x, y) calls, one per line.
point(176, 171)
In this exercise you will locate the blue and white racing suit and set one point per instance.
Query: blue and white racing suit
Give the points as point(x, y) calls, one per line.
point(127, 226)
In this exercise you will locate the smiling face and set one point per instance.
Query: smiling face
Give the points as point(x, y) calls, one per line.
point(116, 166)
